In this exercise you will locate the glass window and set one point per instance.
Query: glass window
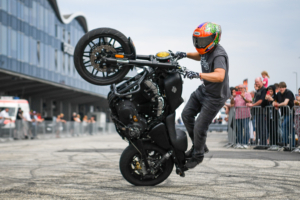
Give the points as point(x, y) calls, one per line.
point(3, 40)
point(41, 16)
point(19, 9)
point(56, 59)
point(63, 62)
point(33, 13)
point(8, 43)
point(4, 5)
point(69, 38)
point(33, 47)
point(26, 14)
point(56, 30)
point(20, 46)
point(13, 42)
point(26, 49)
point(69, 64)
point(38, 51)
point(45, 24)
point(38, 16)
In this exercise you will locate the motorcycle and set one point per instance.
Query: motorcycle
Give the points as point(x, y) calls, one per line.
point(142, 107)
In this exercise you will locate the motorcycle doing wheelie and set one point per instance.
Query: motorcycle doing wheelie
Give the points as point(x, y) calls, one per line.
point(142, 107)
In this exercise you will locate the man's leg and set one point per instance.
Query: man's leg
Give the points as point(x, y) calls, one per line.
point(190, 111)
point(208, 112)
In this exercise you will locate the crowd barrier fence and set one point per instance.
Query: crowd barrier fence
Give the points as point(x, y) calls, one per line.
point(20, 129)
point(271, 128)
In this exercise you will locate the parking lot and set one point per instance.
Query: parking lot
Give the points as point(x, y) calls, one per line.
point(87, 168)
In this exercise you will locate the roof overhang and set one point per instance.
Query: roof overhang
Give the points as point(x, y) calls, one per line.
point(66, 19)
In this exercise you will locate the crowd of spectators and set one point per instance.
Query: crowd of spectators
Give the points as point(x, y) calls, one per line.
point(27, 124)
point(268, 117)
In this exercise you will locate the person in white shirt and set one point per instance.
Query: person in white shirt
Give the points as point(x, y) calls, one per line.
point(3, 116)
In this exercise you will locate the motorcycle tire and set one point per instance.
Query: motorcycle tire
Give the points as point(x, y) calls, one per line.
point(126, 166)
point(86, 48)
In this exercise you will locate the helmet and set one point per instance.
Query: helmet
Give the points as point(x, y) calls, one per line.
point(206, 36)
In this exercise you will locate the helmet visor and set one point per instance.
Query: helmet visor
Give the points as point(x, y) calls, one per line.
point(202, 42)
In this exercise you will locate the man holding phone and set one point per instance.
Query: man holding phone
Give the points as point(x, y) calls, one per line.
point(210, 97)
point(242, 115)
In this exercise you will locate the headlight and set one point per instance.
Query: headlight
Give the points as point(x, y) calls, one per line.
point(163, 55)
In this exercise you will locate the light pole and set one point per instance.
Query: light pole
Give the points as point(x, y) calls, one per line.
point(296, 81)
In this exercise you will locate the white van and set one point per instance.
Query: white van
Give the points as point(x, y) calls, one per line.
point(13, 105)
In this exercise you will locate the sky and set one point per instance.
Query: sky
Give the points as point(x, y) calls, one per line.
point(258, 35)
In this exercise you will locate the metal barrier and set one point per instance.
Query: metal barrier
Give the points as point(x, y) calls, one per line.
point(21, 129)
point(269, 128)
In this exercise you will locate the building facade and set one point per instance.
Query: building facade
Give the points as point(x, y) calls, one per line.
point(37, 45)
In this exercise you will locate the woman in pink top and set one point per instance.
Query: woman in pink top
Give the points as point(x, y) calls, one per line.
point(265, 76)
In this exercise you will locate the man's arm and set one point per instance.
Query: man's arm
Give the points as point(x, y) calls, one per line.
point(194, 56)
point(285, 103)
point(216, 77)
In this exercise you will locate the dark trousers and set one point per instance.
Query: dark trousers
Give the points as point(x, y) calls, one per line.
point(261, 129)
point(208, 109)
point(272, 126)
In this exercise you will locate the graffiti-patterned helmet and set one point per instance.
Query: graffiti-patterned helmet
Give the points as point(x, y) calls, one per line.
point(206, 36)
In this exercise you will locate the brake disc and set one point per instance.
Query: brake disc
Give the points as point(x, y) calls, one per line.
point(102, 67)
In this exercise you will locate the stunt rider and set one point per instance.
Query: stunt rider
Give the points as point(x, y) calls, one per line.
point(210, 97)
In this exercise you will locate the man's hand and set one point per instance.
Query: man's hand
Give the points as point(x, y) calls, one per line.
point(180, 55)
point(191, 74)
point(250, 105)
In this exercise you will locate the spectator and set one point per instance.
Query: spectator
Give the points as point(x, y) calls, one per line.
point(276, 87)
point(3, 116)
point(59, 124)
point(27, 125)
point(297, 115)
point(285, 98)
point(73, 123)
point(265, 76)
point(272, 115)
point(92, 125)
point(18, 124)
point(242, 115)
point(85, 122)
point(77, 122)
point(252, 93)
point(35, 120)
point(260, 102)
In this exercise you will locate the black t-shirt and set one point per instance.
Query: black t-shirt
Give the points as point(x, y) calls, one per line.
point(209, 62)
point(261, 95)
point(286, 95)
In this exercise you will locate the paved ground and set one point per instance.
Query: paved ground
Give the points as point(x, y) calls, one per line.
point(87, 168)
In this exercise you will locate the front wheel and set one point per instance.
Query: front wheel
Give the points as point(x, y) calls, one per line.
point(131, 166)
point(92, 48)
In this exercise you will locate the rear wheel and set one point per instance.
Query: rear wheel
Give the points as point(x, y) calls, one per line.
point(95, 45)
point(131, 166)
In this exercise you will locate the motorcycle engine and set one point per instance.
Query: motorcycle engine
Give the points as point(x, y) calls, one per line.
point(134, 111)
point(130, 117)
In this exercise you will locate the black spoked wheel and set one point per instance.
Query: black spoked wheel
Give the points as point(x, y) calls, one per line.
point(131, 166)
point(95, 45)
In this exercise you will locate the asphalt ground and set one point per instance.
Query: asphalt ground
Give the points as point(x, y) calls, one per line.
point(87, 168)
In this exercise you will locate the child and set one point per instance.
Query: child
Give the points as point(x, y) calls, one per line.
point(265, 79)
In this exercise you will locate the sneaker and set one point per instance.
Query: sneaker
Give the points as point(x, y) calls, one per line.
point(194, 161)
point(189, 153)
point(238, 146)
point(245, 146)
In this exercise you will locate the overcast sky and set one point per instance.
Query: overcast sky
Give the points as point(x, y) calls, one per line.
point(257, 34)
